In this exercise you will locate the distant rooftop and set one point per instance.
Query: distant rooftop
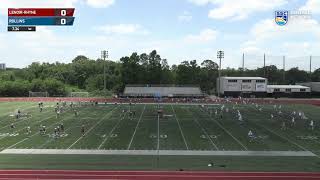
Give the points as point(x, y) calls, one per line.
point(245, 78)
point(287, 86)
point(162, 85)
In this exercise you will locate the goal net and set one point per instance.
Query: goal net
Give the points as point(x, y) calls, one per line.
point(38, 94)
point(79, 94)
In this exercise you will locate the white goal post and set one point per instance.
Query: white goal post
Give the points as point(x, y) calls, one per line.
point(38, 94)
point(79, 94)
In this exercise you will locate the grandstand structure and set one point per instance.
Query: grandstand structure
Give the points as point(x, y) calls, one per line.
point(171, 91)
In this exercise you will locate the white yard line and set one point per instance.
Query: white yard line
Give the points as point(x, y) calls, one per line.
point(135, 130)
point(205, 132)
point(238, 141)
point(184, 139)
point(285, 138)
point(91, 128)
point(110, 133)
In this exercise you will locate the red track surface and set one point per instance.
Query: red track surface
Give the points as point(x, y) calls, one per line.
point(153, 175)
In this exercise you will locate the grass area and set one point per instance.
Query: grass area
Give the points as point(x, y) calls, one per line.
point(115, 162)
point(183, 127)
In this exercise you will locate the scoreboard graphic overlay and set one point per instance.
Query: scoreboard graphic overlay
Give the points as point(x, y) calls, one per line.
point(26, 19)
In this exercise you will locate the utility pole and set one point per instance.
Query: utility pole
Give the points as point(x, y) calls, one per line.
point(284, 68)
point(264, 65)
point(242, 64)
point(310, 68)
point(220, 55)
point(104, 56)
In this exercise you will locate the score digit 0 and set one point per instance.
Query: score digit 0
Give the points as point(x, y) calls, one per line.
point(63, 21)
point(63, 12)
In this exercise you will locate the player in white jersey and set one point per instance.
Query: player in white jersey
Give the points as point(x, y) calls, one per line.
point(312, 125)
point(293, 122)
point(251, 136)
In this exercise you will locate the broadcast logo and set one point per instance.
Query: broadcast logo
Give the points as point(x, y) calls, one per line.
point(281, 17)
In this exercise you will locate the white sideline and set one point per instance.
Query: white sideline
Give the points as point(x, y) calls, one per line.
point(161, 152)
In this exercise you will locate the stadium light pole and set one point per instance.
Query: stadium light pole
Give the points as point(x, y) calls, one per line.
point(104, 55)
point(220, 55)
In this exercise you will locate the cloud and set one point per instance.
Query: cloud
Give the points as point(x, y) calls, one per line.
point(202, 2)
point(311, 5)
point(100, 3)
point(206, 35)
point(122, 29)
point(185, 17)
point(300, 37)
point(228, 9)
point(268, 29)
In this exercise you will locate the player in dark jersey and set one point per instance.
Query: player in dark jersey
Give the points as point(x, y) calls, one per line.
point(82, 130)
point(12, 126)
point(62, 128)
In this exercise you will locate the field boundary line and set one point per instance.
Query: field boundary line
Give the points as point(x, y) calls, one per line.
point(135, 130)
point(205, 132)
point(91, 128)
point(184, 139)
point(114, 127)
point(238, 141)
point(160, 152)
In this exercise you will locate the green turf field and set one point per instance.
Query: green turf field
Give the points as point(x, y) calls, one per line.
point(183, 127)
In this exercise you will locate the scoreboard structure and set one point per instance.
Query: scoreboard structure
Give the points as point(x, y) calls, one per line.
point(27, 19)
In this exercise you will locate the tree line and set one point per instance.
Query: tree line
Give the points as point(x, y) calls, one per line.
point(84, 74)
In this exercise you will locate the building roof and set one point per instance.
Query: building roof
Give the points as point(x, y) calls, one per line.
point(287, 87)
point(308, 83)
point(245, 78)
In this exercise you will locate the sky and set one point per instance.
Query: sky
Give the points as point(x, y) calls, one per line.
point(178, 29)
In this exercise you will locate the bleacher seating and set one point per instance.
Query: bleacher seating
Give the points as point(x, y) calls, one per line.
point(162, 90)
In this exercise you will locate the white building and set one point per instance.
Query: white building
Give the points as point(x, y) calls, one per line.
point(288, 90)
point(315, 86)
point(242, 86)
point(2, 66)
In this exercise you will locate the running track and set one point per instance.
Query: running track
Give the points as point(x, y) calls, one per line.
point(153, 175)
